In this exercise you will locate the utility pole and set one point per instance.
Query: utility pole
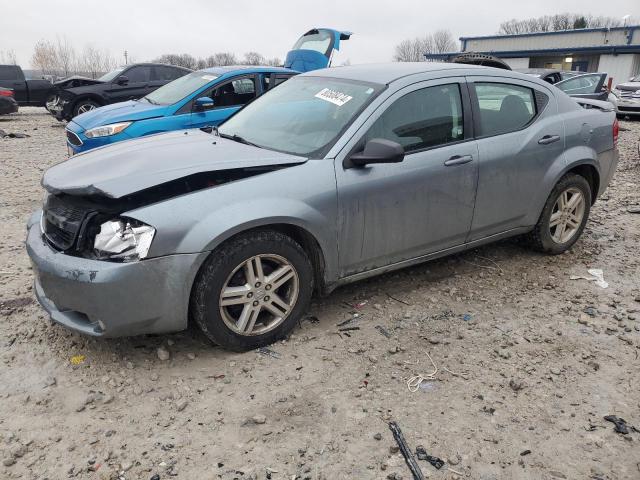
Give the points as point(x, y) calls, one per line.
point(126, 58)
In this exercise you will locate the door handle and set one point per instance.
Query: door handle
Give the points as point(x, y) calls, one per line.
point(458, 160)
point(547, 139)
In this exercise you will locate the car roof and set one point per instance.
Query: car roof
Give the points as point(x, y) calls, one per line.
point(385, 73)
point(151, 64)
point(247, 68)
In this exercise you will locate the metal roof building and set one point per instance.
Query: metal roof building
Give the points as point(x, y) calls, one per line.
point(615, 50)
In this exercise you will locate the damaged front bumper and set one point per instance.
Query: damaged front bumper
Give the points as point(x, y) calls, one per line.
point(109, 299)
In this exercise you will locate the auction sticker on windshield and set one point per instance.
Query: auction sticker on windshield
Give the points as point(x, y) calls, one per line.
point(333, 96)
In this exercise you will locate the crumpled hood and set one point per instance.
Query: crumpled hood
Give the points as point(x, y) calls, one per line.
point(629, 86)
point(119, 112)
point(128, 167)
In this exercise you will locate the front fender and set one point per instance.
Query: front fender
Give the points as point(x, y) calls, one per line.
point(303, 196)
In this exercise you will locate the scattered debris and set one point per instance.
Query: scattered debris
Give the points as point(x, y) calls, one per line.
point(397, 299)
point(467, 317)
point(348, 329)
point(406, 452)
point(633, 209)
point(383, 331)
point(413, 384)
point(163, 353)
point(525, 453)
point(268, 352)
point(77, 359)
point(621, 426)
point(422, 454)
point(4, 134)
point(597, 275)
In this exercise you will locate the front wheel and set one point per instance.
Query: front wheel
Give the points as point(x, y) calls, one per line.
point(564, 215)
point(84, 106)
point(252, 291)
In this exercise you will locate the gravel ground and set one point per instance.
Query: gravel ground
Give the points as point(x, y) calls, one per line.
point(528, 361)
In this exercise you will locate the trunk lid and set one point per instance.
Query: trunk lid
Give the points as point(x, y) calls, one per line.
point(314, 50)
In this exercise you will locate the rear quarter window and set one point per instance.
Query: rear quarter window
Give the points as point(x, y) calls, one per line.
point(9, 73)
point(505, 108)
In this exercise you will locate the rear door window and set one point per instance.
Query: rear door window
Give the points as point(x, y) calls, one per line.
point(166, 73)
point(424, 118)
point(583, 84)
point(503, 107)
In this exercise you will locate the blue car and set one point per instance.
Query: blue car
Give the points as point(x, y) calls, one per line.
point(200, 99)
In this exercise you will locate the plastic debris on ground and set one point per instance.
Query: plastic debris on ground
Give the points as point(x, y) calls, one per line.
point(597, 276)
point(77, 359)
point(422, 454)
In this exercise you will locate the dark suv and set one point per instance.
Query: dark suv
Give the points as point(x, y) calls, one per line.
point(124, 83)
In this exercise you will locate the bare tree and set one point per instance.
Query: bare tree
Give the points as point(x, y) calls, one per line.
point(274, 62)
point(443, 42)
point(414, 50)
point(221, 59)
point(552, 23)
point(95, 62)
point(178, 59)
point(44, 57)
point(65, 56)
point(8, 57)
point(253, 58)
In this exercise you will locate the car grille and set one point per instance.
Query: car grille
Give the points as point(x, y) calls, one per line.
point(629, 109)
point(61, 222)
point(73, 138)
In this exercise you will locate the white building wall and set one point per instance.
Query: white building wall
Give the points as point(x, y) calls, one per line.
point(619, 67)
point(516, 63)
point(562, 39)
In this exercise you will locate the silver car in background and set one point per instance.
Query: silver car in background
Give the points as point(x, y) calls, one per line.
point(332, 177)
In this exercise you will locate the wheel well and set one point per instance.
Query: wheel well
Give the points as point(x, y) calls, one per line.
point(93, 98)
point(590, 173)
point(308, 243)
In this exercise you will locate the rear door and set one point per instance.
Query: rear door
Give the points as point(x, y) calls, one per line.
point(520, 138)
point(228, 97)
point(11, 76)
point(315, 49)
point(585, 86)
point(163, 74)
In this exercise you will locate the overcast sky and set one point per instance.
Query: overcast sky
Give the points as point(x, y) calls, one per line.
point(148, 28)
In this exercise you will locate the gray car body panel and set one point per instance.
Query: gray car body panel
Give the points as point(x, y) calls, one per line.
point(365, 220)
point(138, 164)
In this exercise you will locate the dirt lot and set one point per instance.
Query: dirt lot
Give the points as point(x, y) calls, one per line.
point(529, 361)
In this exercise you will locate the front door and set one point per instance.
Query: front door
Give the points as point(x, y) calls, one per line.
point(228, 97)
point(136, 86)
point(393, 212)
point(520, 138)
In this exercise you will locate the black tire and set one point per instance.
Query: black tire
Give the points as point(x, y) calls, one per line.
point(91, 104)
point(216, 270)
point(540, 237)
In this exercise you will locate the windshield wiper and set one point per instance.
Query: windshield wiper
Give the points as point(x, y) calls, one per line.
point(237, 138)
point(150, 101)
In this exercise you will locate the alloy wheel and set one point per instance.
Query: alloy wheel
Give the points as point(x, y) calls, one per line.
point(259, 294)
point(567, 215)
point(85, 107)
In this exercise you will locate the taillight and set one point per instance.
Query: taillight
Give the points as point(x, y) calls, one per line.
point(6, 93)
point(616, 131)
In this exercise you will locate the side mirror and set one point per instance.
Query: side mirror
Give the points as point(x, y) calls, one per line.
point(122, 80)
point(377, 150)
point(203, 103)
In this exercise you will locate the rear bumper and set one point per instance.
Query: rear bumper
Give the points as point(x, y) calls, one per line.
point(110, 299)
point(608, 163)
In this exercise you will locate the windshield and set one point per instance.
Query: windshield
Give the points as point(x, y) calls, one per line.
point(175, 91)
point(107, 77)
point(302, 116)
point(316, 41)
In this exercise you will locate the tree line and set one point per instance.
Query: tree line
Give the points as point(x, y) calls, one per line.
point(414, 49)
point(553, 23)
point(220, 59)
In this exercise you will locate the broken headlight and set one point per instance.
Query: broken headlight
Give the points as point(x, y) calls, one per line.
point(107, 130)
point(123, 239)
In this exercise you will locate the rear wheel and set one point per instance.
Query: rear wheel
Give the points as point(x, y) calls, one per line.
point(564, 215)
point(84, 106)
point(252, 291)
